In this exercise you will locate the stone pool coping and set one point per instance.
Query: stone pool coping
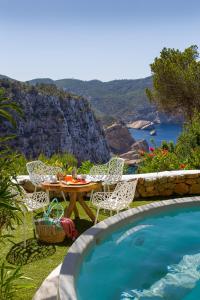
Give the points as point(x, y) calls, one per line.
point(92, 236)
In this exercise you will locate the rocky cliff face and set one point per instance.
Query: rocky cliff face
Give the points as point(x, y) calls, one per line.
point(123, 144)
point(55, 122)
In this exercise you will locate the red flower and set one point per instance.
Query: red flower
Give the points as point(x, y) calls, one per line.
point(182, 166)
point(151, 149)
point(151, 155)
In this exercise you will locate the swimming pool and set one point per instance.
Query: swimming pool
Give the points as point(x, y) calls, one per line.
point(153, 257)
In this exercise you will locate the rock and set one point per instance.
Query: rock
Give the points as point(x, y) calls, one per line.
point(130, 155)
point(123, 144)
point(141, 124)
point(148, 127)
point(55, 122)
point(132, 158)
point(119, 138)
point(140, 145)
point(195, 189)
point(181, 189)
point(132, 162)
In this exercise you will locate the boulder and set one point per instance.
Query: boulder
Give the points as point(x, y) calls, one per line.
point(123, 144)
point(130, 155)
point(119, 138)
point(131, 158)
point(140, 145)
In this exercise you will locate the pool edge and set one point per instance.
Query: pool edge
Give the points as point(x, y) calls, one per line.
point(92, 236)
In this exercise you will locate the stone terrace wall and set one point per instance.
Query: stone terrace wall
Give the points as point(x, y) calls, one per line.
point(161, 184)
point(167, 183)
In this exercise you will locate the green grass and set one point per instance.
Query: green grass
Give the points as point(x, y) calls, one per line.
point(39, 269)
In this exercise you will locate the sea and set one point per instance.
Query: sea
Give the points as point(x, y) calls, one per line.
point(167, 132)
point(164, 132)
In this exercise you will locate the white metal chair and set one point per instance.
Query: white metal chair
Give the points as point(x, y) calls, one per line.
point(39, 172)
point(119, 199)
point(30, 202)
point(109, 173)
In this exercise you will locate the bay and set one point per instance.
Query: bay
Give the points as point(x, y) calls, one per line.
point(167, 132)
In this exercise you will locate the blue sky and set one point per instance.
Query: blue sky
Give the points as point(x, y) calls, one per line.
point(92, 39)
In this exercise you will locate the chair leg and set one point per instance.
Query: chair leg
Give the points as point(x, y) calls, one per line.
point(34, 231)
point(24, 225)
point(91, 194)
point(48, 194)
point(63, 194)
point(96, 219)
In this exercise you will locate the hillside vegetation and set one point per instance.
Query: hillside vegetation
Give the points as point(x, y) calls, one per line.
point(114, 99)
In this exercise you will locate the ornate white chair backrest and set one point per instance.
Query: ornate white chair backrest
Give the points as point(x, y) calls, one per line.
point(115, 170)
point(124, 192)
point(98, 172)
point(37, 200)
point(31, 201)
point(38, 171)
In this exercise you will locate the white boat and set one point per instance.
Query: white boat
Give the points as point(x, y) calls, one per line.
point(153, 132)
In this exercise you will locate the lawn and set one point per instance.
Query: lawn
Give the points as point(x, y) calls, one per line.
point(52, 255)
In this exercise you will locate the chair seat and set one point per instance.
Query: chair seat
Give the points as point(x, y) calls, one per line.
point(112, 204)
point(31, 206)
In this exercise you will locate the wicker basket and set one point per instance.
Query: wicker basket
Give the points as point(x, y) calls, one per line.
point(49, 233)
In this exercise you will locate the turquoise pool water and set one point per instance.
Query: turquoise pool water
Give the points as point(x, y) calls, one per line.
point(153, 259)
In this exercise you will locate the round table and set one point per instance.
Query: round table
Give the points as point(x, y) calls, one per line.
point(75, 194)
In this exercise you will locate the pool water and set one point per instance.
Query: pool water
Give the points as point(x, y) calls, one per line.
point(155, 258)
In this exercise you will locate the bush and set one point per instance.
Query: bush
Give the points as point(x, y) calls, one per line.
point(160, 160)
point(184, 155)
point(65, 161)
point(85, 167)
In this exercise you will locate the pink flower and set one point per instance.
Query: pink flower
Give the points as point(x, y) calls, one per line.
point(151, 149)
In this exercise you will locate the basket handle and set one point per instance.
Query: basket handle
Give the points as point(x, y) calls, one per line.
point(57, 206)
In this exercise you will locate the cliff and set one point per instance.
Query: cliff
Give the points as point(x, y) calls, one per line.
point(116, 100)
point(123, 144)
point(54, 122)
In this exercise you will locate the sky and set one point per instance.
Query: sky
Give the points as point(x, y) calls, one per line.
point(92, 39)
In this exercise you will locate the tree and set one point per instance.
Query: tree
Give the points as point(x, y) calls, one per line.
point(9, 209)
point(176, 81)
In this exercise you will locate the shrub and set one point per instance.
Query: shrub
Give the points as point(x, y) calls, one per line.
point(66, 161)
point(159, 160)
point(184, 155)
point(85, 167)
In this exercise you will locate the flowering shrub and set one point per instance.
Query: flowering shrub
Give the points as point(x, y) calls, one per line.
point(160, 160)
point(184, 155)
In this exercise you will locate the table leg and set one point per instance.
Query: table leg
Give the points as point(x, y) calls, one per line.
point(76, 213)
point(72, 205)
point(86, 208)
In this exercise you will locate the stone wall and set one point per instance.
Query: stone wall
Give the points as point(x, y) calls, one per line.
point(162, 184)
point(165, 184)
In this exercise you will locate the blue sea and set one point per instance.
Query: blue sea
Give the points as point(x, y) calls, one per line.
point(167, 132)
